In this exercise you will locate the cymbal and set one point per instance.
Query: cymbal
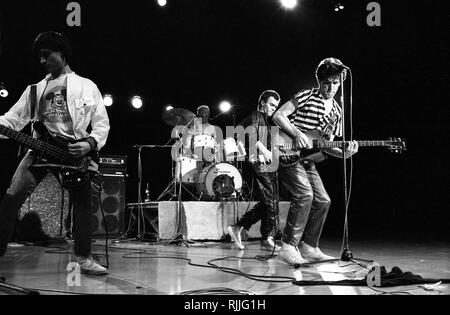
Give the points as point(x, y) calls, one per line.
point(178, 116)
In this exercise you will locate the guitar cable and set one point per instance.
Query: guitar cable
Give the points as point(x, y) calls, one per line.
point(99, 188)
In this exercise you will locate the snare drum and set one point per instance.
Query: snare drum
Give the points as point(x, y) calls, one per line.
point(204, 147)
point(217, 181)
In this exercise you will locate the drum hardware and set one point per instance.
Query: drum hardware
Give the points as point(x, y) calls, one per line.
point(178, 117)
point(183, 167)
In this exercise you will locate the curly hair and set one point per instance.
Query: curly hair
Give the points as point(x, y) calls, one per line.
point(330, 67)
point(54, 41)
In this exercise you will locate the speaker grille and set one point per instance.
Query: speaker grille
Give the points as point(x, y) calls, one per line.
point(112, 199)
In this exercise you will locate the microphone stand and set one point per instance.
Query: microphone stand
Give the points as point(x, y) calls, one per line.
point(140, 211)
point(346, 254)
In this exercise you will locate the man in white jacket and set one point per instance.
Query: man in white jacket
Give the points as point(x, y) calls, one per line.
point(67, 105)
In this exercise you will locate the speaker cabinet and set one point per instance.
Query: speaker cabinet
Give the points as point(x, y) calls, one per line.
point(112, 199)
point(42, 214)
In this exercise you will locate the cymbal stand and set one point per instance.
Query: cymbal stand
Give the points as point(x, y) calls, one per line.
point(177, 178)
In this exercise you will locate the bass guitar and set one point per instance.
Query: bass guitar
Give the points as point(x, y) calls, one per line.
point(53, 153)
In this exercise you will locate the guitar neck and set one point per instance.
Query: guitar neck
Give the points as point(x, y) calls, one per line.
point(38, 145)
point(322, 144)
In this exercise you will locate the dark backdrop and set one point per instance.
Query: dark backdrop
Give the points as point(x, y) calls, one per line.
point(202, 51)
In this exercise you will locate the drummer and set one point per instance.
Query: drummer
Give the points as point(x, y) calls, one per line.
point(203, 138)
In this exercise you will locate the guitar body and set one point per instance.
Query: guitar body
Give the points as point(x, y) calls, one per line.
point(288, 156)
point(53, 154)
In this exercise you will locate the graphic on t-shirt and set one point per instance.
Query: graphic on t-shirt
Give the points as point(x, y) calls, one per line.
point(55, 108)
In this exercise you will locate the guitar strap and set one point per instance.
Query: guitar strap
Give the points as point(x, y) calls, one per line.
point(33, 99)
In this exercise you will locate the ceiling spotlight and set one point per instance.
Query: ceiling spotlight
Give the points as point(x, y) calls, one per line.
point(3, 91)
point(338, 6)
point(289, 4)
point(162, 3)
point(108, 99)
point(136, 102)
point(225, 106)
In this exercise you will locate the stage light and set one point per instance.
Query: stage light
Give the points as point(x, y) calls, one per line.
point(225, 106)
point(162, 3)
point(108, 99)
point(338, 7)
point(136, 102)
point(3, 91)
point(169, 107)
point(289, 4)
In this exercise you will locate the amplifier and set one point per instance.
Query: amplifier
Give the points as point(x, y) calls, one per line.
point(113, 161)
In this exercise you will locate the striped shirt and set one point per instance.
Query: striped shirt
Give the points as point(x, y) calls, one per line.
point(310, 113)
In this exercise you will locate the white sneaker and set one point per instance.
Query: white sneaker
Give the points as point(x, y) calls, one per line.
point(235, 233)
point(313, 254)
point(291, 255)
point(89, 266)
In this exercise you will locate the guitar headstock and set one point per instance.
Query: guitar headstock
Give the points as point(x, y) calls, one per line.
point(396, 145)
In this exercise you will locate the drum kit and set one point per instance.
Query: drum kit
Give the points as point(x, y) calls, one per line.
point(204, 166)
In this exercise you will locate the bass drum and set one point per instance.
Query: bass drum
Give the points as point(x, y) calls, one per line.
point(218, 181)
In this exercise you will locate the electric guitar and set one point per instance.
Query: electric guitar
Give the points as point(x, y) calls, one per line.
point(319, 140)
point(53, 153)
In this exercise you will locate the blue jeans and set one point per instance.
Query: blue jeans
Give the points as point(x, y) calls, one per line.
point(22, 185)
point(309, 204)
point(266, 210)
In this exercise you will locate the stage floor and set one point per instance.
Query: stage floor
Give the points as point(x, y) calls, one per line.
point(141, 268)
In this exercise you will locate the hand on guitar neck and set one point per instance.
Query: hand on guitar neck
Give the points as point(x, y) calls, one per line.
point(351, 148)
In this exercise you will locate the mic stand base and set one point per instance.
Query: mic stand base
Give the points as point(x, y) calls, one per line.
point(181, 240)
point(346, 255)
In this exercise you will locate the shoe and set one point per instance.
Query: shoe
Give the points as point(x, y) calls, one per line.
point(89, 266)
point(313, 254)
point(235, 233)
point(269, 244)
point(291, 255)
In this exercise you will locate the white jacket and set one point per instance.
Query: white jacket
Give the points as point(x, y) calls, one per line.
point(85, 104)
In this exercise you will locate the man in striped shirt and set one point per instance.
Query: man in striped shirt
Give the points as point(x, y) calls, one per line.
point(313, 109)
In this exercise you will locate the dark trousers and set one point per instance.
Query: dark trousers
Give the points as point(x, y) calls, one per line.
point(22, 185)
point(309, 204)
point(266, 188)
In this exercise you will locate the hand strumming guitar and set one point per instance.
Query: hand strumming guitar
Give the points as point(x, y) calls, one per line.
point(79, 149)
point(300, 141)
